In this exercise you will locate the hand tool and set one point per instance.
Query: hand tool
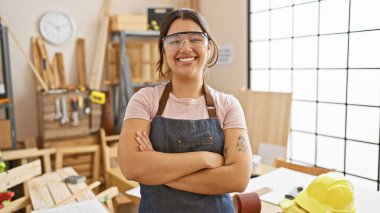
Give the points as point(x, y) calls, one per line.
point(75, 179)
point(80, 106)
point(65, 118)
point(87, 109)
point(74, 111)
point(58, 114)
point(98, 97)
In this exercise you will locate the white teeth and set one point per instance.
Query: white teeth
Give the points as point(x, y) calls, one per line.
point(186, 59)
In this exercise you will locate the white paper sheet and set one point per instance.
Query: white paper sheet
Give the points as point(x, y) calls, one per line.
point(88, 206)
point(134, 192)
point(281, 181)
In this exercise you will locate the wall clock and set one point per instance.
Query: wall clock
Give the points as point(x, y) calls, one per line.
point(57, 27)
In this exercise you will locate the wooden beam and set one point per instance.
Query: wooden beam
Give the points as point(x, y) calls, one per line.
point(100, 50)
point(81, 62)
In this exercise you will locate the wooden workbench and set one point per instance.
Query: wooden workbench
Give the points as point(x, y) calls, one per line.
point(49, 189)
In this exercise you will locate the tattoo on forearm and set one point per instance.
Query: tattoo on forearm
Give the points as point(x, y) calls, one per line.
point(242, 144)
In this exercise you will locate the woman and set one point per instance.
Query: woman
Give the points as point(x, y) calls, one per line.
point(185, 143)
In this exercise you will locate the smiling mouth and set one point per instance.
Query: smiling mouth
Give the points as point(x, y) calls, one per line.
point(186, 59)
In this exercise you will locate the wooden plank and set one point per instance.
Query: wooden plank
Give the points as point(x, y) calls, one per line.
point(106, 197)
point(73, 141)
point(78, 194)
point(37, 62)
point(67, 171)
point(112, 64)
point(81, 62)
point(46, 67)
point(100, 50)
point(16, 204)
point(61, 70)
point(77, 159)
point(59, 191)
point(58, 133)
point(25, 153)
point(20, 174)
point(30, 63)
point(57, 187)
point(39, 194)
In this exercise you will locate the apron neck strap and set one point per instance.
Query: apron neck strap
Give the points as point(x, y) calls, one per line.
point(209, 101)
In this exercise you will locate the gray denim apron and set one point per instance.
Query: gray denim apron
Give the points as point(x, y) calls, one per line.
point(176, 136)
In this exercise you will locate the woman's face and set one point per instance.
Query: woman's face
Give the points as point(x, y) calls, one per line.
point(186, 54)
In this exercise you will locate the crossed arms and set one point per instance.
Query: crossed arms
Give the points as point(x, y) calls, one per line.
point(198, 172)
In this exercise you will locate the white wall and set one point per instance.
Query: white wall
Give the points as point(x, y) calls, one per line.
point(227, 20)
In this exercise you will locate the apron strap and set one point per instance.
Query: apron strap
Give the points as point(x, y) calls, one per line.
point(209, 101)
point(164, 98)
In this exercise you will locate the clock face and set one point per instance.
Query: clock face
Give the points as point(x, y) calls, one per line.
point(56, 27)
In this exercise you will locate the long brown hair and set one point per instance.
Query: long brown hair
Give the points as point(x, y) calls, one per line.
point(164, 28)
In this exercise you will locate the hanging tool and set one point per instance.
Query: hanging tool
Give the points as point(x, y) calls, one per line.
point(58, 114)
point(65, 117)
point(80, 106)
point(98, 97)
point(74, 111)
point(87, 109)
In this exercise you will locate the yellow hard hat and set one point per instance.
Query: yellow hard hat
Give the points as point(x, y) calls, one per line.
point(328, 193)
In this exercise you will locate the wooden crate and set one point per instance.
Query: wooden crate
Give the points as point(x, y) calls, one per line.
point(50, 128)
point(128, 22)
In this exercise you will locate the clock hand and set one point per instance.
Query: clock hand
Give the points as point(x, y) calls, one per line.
point(53, 24)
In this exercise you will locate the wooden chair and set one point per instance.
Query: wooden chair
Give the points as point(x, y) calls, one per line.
point(267, 115)
point(109, 148)
point(24, 155)
point(16, 176)
point(278, 162)
point(112, 172)
point(93, 150)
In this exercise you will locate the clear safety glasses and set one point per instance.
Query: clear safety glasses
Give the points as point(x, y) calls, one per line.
point(175, 42)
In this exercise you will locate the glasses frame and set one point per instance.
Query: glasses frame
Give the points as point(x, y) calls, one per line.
point(186, 32)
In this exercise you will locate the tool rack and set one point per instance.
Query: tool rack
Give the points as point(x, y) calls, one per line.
point(127, 85)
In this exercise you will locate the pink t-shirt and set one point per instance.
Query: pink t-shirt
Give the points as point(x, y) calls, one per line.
point(144, 105)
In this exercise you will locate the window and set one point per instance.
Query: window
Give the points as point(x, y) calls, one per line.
point(326, 52)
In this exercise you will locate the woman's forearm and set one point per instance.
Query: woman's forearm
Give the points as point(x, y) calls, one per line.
point(221, 180)
point(233, 177)
point(155, 168)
